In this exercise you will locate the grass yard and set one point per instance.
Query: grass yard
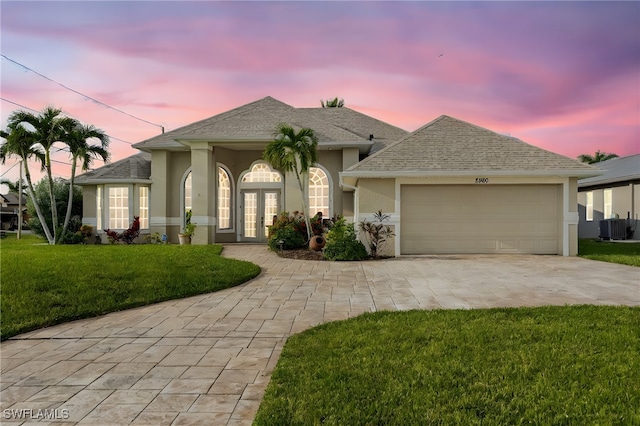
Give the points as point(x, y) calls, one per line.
point(624, 253)
point(42, 285)
point(572, 365)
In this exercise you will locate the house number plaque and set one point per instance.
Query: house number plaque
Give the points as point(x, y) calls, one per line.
point(482, 180)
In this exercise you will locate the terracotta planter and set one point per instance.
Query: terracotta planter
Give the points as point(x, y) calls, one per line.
point(184, 239)
point(317, 242)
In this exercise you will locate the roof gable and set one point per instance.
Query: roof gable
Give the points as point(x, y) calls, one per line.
point(447, 144)
point(131, 169)
point(258, 120)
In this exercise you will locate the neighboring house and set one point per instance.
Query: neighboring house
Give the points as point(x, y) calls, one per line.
point(450, 186)
point(615, 193)
point(10, 207)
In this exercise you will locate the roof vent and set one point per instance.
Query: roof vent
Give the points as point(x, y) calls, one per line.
point(370, 137)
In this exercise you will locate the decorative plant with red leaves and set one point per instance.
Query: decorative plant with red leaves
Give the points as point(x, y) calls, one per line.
point(128, 236)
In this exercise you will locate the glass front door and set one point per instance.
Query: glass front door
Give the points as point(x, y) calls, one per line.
point(259, 206)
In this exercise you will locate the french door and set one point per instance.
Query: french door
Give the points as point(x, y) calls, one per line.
point(258, 208)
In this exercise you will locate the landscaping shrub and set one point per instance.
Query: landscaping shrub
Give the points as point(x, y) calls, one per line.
point(291, 239)
point(289, 228)
point(342, 243)
point(128, 235)
point(376, 234)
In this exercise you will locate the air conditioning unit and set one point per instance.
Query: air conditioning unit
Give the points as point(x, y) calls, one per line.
point(613, 229)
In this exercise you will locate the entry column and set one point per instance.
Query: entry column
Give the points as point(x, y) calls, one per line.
point(203, 192)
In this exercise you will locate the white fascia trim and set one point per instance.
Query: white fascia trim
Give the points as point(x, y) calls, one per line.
point(114, 182)
point(450, 173)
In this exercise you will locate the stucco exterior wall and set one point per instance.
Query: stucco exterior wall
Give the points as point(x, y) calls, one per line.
point(89, 210)
point(376, 194)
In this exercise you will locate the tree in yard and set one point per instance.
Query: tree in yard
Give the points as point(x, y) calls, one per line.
point(32, 136)
point(61, 193)
point(76, 139)
point(19, 142)
point(294, 152)
point(332, 103)
point(14, 187)
point(597, 158)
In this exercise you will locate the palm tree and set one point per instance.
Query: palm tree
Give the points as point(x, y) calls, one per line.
point(14, 187)
point(332, 103)
point(293, 152)
point(597, 158)
point(49, 128)
point(19, 142)
point(76, 139)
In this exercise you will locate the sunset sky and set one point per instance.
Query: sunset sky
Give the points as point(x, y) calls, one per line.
point(564, 76)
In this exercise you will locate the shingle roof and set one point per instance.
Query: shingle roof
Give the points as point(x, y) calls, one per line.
point(447, 144)
point(619, 169)
point(360, 124)
point(257, 121)
point(131, 169)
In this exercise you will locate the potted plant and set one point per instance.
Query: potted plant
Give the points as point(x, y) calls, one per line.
point(187, 233)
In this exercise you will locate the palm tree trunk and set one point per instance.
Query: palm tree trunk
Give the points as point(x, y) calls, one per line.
point(67, 217)
point(305, 209)
point(52, 198)
point(32, 194)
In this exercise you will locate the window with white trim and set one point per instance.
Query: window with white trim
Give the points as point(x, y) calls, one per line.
point(262, 172)
point(589, 206)
point(608, 203)
point(187, 193)
point(143, 207)
point(99, 208)
point(224, 199)
point(318, 192)
point(118, 207)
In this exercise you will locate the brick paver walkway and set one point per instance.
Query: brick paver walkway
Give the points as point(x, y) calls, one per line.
point(207, 359)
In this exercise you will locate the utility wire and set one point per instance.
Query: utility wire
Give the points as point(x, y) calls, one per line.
point(9, 169)
point(31, 109)
point(81, 94)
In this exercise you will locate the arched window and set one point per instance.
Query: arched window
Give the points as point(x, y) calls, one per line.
point(224, 199)
point(187, 196)
point(261, 172)
point(318, 192)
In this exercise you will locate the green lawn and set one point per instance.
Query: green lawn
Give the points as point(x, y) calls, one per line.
point(42, 285)
point(624, 253)
point(575, 365)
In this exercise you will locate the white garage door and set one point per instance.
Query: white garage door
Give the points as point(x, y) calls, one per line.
point(480, 219)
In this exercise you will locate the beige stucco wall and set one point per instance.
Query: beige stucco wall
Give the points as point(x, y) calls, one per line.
point(376, 194)
point(168, 169)
point(573, 228)
point(89, 210)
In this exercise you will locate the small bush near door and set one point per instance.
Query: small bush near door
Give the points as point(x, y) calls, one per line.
point(290, 229)
point(342, 243)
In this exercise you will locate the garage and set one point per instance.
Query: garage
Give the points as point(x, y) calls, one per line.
point(441, 219)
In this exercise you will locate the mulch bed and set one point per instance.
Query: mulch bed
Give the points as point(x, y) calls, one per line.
point(301, 254)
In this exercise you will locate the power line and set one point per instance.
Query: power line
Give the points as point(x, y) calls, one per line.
point(9, 169)
point(81, 94)
point(31, 109)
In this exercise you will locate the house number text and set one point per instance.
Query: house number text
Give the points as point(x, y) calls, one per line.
point(482, 180)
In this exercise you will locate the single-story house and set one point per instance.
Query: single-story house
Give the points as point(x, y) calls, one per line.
point(449, 187)
point(615, 193)
point(10, 204)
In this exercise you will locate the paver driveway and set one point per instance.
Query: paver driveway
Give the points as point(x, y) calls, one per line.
point(207, 359)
